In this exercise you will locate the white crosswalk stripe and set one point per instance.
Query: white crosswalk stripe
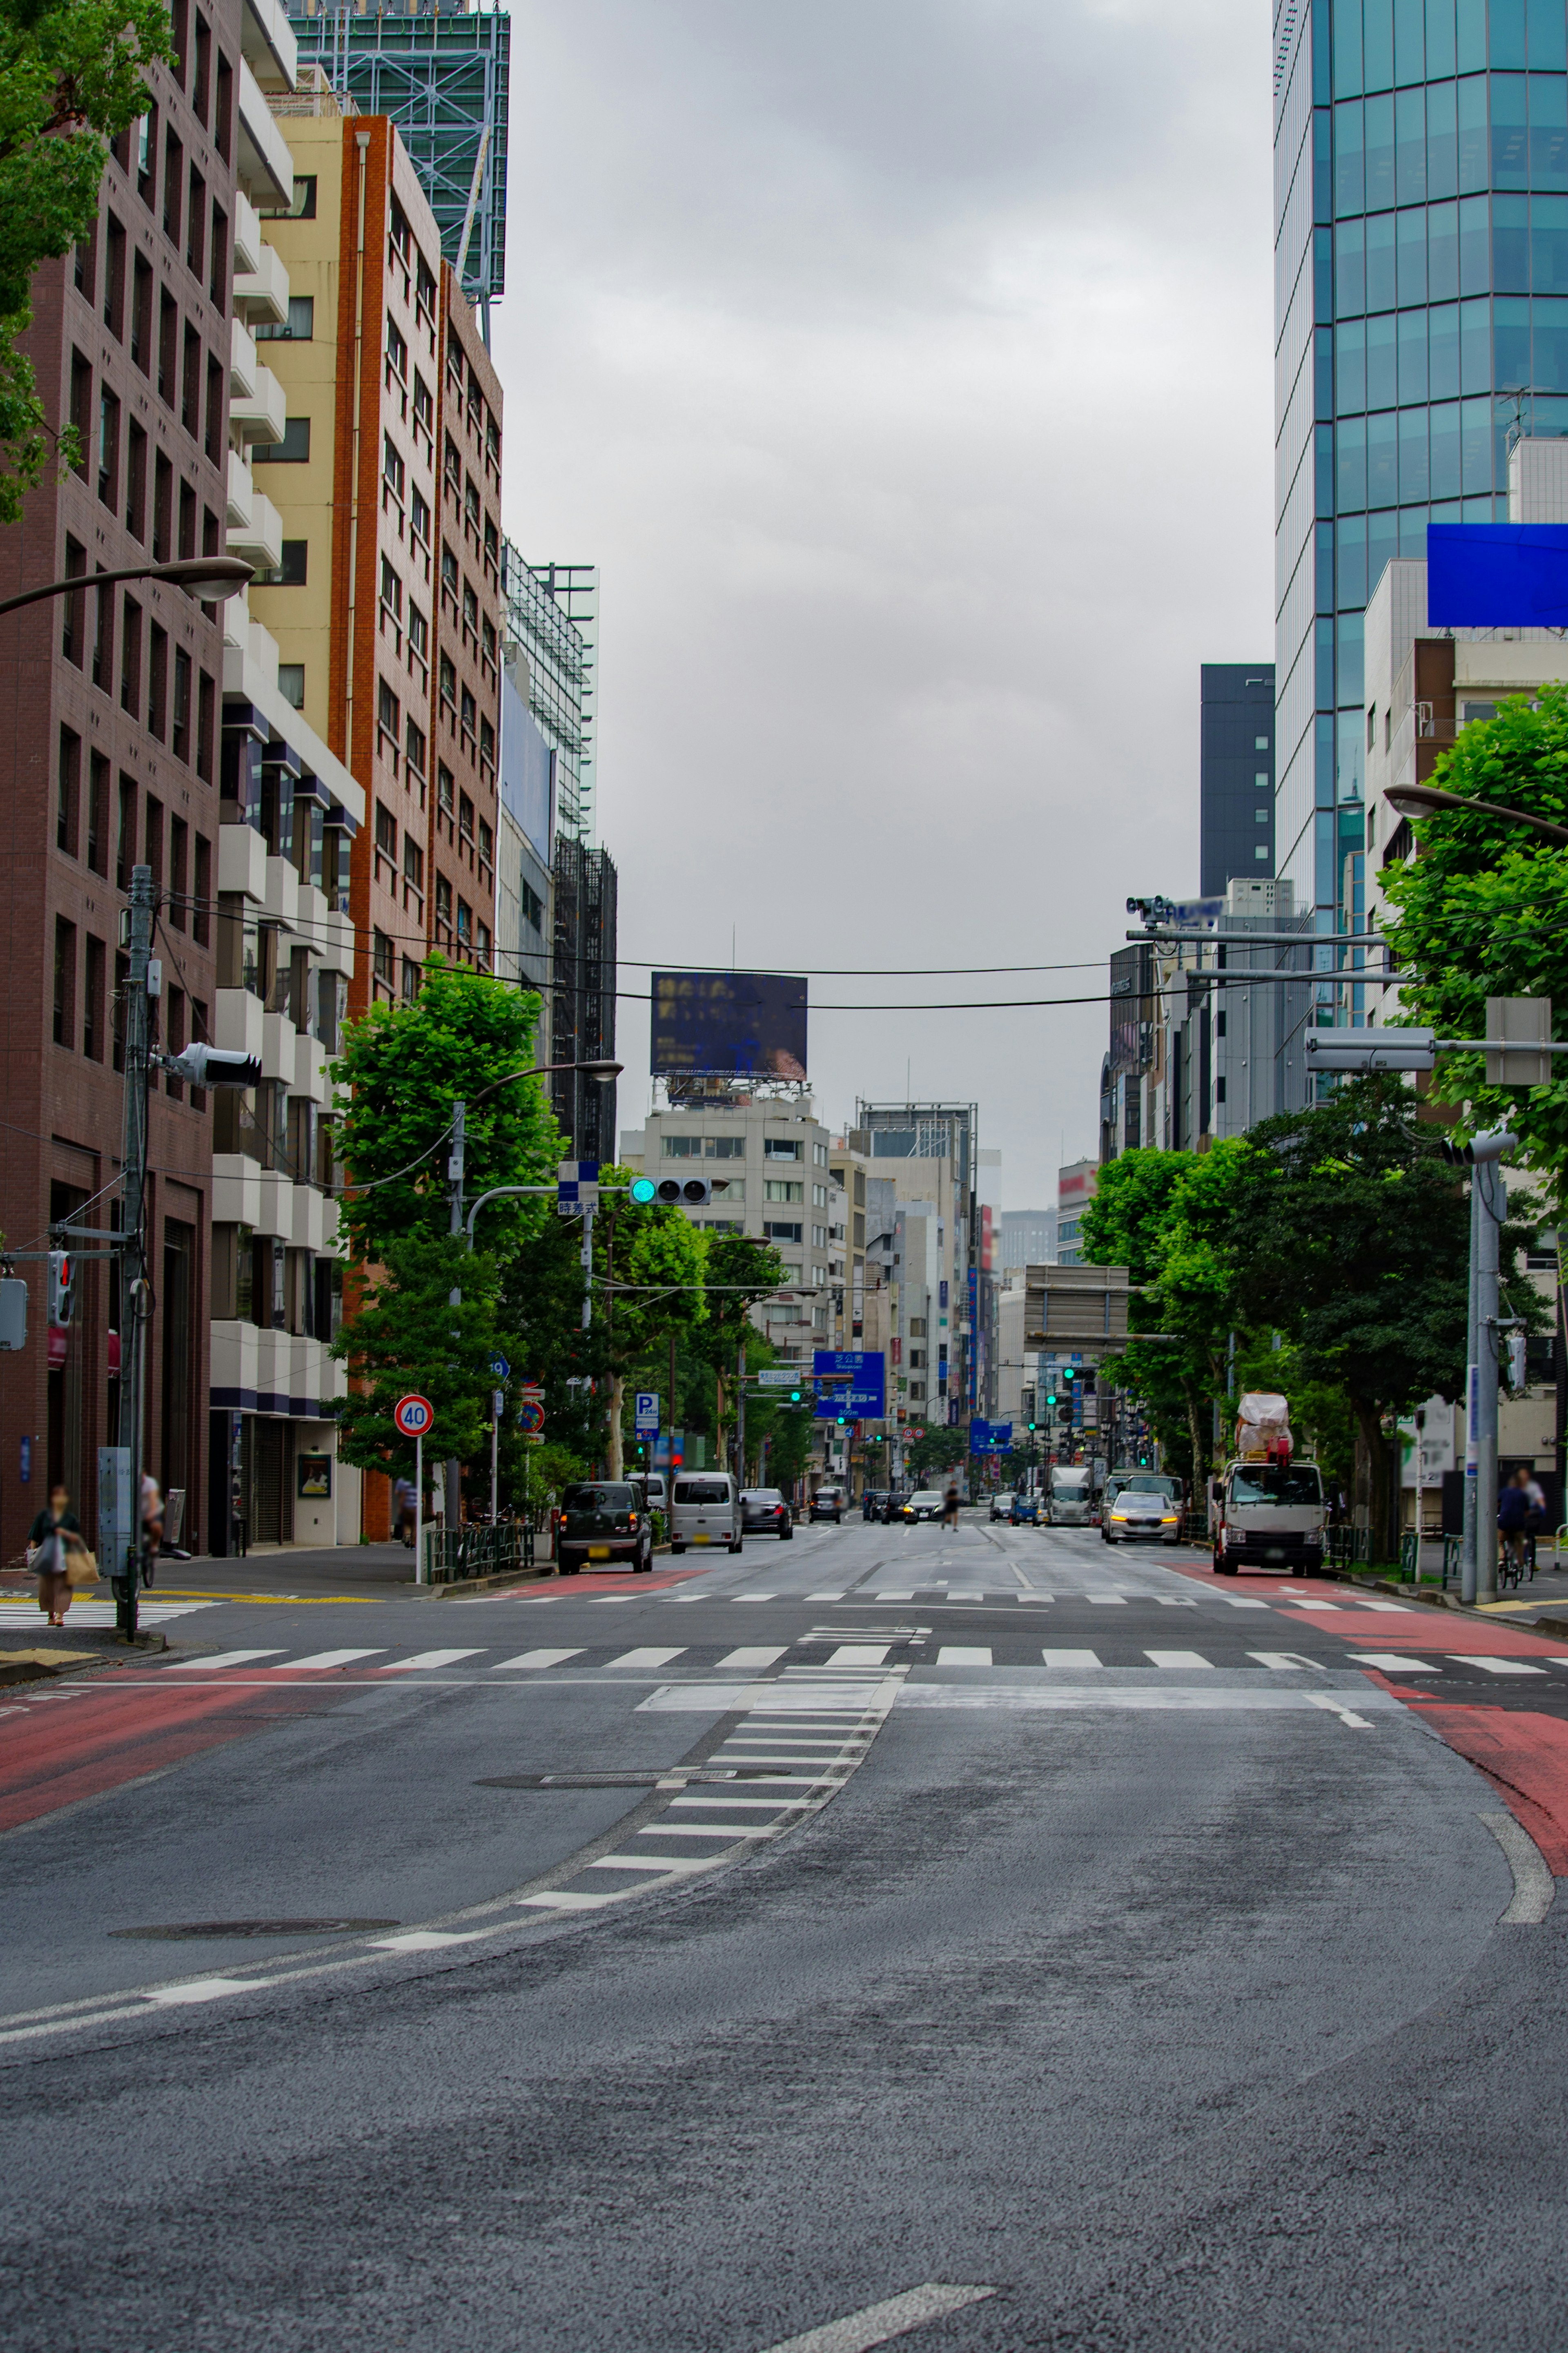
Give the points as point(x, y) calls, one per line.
point(1500, 1666)
point(1177, 1658)
point(536, 1658)
point(953, 1655)
point(321, 1660)
point(1393, 1662)
point(751, 1659)
point(425, 1660)
point(223, 1659)
point(1071, 1658)
point(644, 1658)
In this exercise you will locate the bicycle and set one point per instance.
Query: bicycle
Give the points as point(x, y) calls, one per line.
point(1511, 1566)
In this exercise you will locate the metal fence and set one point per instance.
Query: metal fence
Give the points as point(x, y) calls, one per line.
point(1347, 1548)
point(453, 1555)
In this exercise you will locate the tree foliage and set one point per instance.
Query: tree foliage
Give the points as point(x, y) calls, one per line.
point(1483, 911)
point(406, 1335)
point(71, 78)
point(465, 1038)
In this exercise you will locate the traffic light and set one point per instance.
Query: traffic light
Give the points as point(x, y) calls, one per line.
point(689, 1192)
point(1064, 1414)
point(61, 1294)
point(643, 1190)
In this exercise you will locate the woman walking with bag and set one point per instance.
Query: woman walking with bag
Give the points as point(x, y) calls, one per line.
point(54, 1533)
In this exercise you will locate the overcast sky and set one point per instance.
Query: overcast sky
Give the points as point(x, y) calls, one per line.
point(905, 365)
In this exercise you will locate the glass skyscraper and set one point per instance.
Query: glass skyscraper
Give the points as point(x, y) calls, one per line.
point(1421, 308)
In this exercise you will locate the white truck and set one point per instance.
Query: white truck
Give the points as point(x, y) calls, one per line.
point(1269, 1509)
point(1069, 1496)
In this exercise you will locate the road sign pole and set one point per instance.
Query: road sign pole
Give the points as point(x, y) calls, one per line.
point(419, 1511)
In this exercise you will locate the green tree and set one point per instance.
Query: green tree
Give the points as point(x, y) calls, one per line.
point(1182, 1287)
point(660, 1257)
point(934, 1450)
point(71, 78)
point(1483, 911)
point(407, 1336)
point(1350, 1234)
point(465, 1038)
point(741, 1271)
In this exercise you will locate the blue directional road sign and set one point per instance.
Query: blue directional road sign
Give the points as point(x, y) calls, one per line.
point(990, 1437)
point(499, 1367)
point(863, 1397)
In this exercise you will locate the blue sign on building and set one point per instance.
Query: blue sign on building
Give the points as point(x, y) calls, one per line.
point(990, 1437)
point(1496, 575)
point(863, 1397)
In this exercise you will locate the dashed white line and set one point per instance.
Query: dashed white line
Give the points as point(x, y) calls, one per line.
point(879, 2323)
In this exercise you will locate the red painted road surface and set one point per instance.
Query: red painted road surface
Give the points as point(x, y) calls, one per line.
point(1523, 1754)
point(72, 1741)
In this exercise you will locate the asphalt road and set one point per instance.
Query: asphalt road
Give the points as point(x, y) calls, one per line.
point(701, 1961)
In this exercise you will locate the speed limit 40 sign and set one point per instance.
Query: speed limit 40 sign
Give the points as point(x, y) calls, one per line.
point(413, 1415)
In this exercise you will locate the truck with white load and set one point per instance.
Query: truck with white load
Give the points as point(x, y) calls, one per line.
point(1270, 1510)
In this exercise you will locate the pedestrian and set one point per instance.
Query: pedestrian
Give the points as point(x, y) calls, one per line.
point(403, 1497)
point(54, 1535)
point(1513, 1511)
point(1535, 1510)
point(950, 1505)
point(151, 1513)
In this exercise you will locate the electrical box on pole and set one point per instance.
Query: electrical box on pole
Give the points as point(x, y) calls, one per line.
point(13, 1313)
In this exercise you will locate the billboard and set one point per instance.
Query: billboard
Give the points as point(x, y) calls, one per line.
point(863, 1395)
point(1497, 574)
point(729, 1025)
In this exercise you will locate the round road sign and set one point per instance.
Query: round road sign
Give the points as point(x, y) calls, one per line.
point(413, 1415)
point(530, 1415)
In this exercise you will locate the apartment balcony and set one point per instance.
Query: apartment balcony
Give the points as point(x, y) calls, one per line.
point(242, 868)
point(240, 493)
point(240, 1026)
point(264, 291)
point(260, 539)
point(263, 415)
point(243, 362)
point(247, 234)
point(263, 165)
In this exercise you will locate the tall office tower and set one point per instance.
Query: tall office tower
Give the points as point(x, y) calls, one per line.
point(1421, 246)
point(552, 618)
point(929, 1150)
point(439, 70)
point(1236, 774)
point(582, 995)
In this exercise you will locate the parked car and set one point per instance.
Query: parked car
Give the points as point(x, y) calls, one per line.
point(1002, 1505)
point(925, 1504)
point(1140, 1505)
point(827, 1503)
point(705, 1510)
point(764, 1513)
point(1025, 1511)
point(602, 1520)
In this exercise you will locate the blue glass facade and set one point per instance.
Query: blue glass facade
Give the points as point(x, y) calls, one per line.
point(1421, 306)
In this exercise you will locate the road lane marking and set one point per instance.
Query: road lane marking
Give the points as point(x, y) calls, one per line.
point(323, 1659)
point(1533, 1885)
point(1500, 1666)
point(1111, 1600)
point(1242, 1601)
point(1072, 1657)
point(424, 1659)
point(1177, 1658)
point(755, 1597)
point(1347, 1716)
point(225, 1658)
point(879, 2323)
point(1393, 1662)
point(854, 1654)
point(536, 1658)
point(1287, 1659)
point(198, 1989)
point(900, 1596)
point(750, 1658)
point(425, 1940)
point(954, 1654)
point(825, 1596)
point(645, 1658)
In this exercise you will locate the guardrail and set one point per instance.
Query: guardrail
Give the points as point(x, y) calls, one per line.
point(453, 1556)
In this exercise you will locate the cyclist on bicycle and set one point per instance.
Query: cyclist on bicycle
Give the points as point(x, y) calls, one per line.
point(1513, 1512)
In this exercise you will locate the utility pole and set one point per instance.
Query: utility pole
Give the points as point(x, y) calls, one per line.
point(588, 1264)
point(741, 1410)
point(134, 1294)
point(454, 1479)
point(1494, 1208)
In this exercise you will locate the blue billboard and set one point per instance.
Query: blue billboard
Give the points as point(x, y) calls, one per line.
point(1496, 575)
point(729, 1025)
point(990, 1437)
point(862, 1395)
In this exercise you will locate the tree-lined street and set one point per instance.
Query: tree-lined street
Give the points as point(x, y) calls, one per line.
point(1107, 1939)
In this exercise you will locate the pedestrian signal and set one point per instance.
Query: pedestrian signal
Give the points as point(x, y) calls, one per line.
point(61, 1287)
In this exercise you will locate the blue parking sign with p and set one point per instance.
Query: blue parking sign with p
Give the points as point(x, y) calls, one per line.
point(647, 1413)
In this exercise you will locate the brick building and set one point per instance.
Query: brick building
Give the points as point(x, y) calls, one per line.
point(114, 714)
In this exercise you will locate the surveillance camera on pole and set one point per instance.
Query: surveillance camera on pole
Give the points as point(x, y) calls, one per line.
point(213, 1066)
point(1492, 1144)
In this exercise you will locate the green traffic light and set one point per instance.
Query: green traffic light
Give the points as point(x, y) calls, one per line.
point(644, 1189)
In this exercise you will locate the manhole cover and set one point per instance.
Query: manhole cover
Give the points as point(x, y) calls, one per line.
point(182, 1928)
point(648, 1780)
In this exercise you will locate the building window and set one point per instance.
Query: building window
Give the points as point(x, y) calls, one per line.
point(98, 815)
point(413, 748)
point(157, 681)
point(487, 845)
point(109, 449)
point(446, 787)
point(465, 919)
point(299, 327)
point(291, 683)
point(93, 1006)
point(783, 1188)
point(410, 980)
point(781, 1148)
point(131, 658)
point(383, 958)
point(443, 900)
point(412, 864)
point(465, 818)
point(64, 982)
point(292, 571)
point(775, 1230)
point(68, 791)
point(180, 736)
point(448, 678)
point(482, 943)
point(532, 908)
point(294, 449)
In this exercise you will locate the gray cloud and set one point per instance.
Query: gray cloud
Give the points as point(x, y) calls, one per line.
point(907, 370)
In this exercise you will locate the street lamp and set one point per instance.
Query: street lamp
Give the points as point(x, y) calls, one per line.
point(1430, 800)
point(206, 577)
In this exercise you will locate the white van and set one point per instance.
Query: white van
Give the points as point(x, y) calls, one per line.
point(704, 1510)
point(1070, 1495)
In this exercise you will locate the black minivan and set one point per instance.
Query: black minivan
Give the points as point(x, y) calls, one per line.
point(601, 1520)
